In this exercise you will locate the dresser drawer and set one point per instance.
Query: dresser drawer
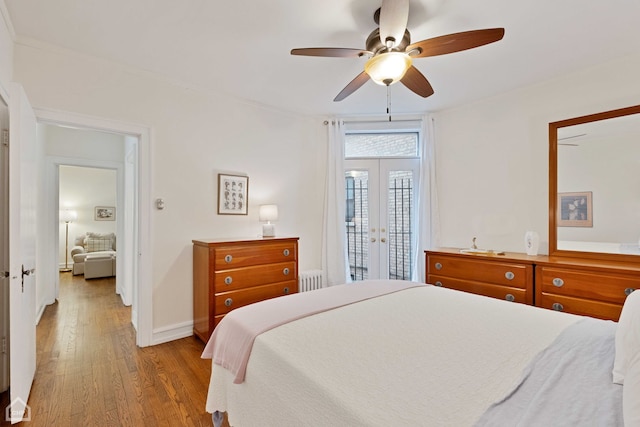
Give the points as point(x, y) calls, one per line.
point(227, 301)
point(583, 307)
point(502, 273)
point(495, 291)
point(586, 284)
point(243, 256)
point(240, 278)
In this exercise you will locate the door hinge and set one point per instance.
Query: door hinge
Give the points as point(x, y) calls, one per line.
point(5, 137)
point(4, 345)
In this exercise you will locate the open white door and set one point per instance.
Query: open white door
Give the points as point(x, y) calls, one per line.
point(22, 251)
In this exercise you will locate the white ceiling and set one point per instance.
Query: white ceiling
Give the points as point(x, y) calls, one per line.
point(242, 47)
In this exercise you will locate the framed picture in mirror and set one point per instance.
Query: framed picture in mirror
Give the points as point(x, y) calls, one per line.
point(575, 209)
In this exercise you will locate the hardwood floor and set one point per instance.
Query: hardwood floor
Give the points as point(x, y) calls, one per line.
point(90, 372)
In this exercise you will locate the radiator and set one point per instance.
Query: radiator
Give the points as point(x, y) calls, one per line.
point(310, 280)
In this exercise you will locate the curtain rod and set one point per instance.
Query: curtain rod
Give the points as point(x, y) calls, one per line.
point(326, 122)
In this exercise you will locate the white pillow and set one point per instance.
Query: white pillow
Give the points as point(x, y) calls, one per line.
point(627, 337)
point(631, 393)
point(92, 235)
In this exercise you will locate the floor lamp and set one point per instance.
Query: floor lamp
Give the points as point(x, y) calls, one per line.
point(67, 216)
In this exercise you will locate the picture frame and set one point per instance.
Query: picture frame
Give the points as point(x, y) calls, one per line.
point(233, 194)
point(575, 209)
point(105, 213)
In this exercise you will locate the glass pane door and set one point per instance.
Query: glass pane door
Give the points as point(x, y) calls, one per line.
point(380, 209)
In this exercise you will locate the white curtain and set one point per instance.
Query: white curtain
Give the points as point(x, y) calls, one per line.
point(428, 221)
point(335, 262)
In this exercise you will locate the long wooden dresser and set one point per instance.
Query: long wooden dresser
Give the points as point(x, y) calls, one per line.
point(587, 287)
point(582, 286)
point(228, 274)
point(508, 276)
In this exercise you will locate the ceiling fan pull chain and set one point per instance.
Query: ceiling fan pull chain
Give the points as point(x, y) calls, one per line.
point(389, 101)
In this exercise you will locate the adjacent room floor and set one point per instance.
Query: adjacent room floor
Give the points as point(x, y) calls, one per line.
point(90, 372)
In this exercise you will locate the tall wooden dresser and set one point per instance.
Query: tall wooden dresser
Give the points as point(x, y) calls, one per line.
point(228, 274)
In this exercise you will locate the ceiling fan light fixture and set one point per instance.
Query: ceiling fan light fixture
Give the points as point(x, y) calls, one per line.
point(388, 68)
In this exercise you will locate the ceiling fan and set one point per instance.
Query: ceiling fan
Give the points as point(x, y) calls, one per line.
point(390, 52)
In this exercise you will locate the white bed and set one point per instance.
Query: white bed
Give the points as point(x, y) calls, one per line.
point(421, 356)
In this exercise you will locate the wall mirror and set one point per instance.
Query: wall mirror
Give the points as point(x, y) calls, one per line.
point(594, 186)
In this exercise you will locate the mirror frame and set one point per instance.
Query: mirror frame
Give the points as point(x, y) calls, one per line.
point(553, 185)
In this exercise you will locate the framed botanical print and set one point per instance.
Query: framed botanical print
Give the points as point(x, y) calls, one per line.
point(233, 194)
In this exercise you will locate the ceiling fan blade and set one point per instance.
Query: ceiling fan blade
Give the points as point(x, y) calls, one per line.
point(394, 15)
point(454, 42)
point(417, 82)
point(353, 85)
point(333, 52)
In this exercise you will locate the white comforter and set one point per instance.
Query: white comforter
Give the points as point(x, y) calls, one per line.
point(423, 356)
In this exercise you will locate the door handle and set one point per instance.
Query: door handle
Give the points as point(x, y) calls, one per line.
point(26, 273)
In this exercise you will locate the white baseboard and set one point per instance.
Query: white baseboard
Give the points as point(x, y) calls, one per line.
point(172, 332)
point(40, 312)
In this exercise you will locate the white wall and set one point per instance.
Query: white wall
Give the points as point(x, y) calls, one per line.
point(6, 48)
point(195, 135)
point(492, 156)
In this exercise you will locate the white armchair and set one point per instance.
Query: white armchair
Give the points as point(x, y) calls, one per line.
point(91, 244)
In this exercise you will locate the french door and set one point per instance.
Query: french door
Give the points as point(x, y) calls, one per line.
point(380, 217)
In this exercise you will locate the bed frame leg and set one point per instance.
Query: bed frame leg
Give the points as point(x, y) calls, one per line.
point(218, 418)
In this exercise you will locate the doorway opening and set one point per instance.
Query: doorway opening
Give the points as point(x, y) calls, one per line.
point(88, 223)
point(70, 140)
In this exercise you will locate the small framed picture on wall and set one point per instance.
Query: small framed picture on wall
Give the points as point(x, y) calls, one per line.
point(105, 213)
point(233, 194)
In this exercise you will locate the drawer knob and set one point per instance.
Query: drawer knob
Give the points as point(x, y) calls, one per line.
point(228, 302)
point(286, 290)
point(228, 280)
point(557, 306)
point(558, 282)
point(510, 297)
point(438, 283)
point(509, 275)
point(286, 252)
point(628, 291)
point(285, 271)
point(438, 266)
point(228, 258)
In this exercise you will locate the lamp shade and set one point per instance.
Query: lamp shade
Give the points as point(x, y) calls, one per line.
point(68, 215)
point(268, 213)
point(388, 68)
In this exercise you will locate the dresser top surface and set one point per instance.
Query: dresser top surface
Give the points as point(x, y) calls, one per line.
point(496, 256)
point(543, 260)
point(240, 240)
